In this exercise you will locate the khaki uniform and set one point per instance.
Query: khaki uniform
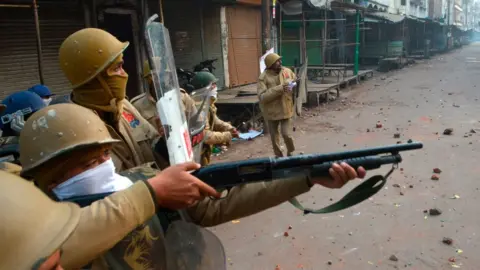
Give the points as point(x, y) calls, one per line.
point(242, 201)
point(277, 106)
point(146, 106)
point(138, 137)
point(106, 222)
point(10, 168)
point(216, 132)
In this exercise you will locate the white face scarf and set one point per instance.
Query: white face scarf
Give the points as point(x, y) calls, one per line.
point(100, 179)
point(47, 101)
point(213, 92)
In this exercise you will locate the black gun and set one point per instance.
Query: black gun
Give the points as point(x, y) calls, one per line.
point(223, 176)
point(226, 175)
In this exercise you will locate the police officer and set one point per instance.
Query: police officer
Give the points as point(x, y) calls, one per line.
point(145, 103)
point(276, 102)
point(32, 230)
point(216, 131)
point(43, 92)
point(92, 60)
point(77, 162)
point(68, 142)
point(19, 106)
point(4, 165)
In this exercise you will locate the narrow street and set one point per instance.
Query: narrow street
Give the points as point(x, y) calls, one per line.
point(419, 102)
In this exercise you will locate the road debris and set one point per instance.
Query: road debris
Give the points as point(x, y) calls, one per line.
point(452, 259)
point(285, 234)
point(396, 135)
point(396, 185)
point(455, 197)
point(434, 212)
point(447, 241)
point(379, 125)
point(329, 262)
point(437, 170)
point(290, 227)
point(393, 258)
point(448, 131)
point(435, 177)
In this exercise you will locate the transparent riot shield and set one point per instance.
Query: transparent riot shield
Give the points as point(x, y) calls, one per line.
point(190, 247)
point(198, 119)
point(181, 122)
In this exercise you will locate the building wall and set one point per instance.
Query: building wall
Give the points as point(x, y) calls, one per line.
point(416, 8)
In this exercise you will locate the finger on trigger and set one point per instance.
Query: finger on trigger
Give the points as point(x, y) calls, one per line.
point(351, 173)
point(206, 189)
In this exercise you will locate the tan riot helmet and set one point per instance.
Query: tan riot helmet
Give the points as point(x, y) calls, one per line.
point(58, 129)
point(87, 52)
point(271, 58)
point(32, 226)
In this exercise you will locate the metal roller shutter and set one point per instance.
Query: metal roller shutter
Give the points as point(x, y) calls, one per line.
point(18, 53)
point(55, 26)
point(183, 22)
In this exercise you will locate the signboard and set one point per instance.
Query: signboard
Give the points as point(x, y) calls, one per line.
point(262, 59)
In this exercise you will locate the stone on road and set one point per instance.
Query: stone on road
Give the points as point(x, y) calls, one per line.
point(417, 105)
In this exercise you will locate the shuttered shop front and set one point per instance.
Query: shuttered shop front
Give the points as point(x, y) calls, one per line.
point(18, 53)
point(56, 24)
point(182, 18)
point(244, 44)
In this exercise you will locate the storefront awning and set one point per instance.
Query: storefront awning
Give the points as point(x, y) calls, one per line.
point(392, 18)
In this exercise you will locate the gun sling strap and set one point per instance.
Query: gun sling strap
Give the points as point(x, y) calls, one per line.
point(359, 194)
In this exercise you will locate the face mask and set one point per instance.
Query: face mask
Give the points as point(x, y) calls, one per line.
point(100, 179)
point(213, 92)
point(47, 101)
point(118, 85)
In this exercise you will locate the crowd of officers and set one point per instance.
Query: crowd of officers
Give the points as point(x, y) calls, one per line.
point(101, 142)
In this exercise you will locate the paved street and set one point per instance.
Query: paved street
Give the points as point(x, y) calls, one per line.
point(419, 102)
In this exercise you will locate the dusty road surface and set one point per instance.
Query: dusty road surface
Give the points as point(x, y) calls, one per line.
point(419, 102)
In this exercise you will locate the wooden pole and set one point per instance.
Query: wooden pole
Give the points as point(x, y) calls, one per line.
point(39, 42)
point(265, 26)
point(324, 43)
